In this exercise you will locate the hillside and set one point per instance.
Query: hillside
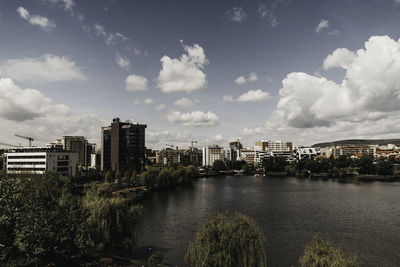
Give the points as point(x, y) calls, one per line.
point(359, 142)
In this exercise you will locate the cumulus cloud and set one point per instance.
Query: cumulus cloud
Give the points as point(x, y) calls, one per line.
point(41, 117)
point(148, 101)
point(323, 24)
point(249, 96)
point(240, 80)
point(99, 30)
point(252, 131)
point(366, 102)
point(252, 78)
point(185, 74)
point(136, 83)
point(183, 102)
point(236, 14)
point(267, 13)
point(40, 21)
point(160, 107)
point(67, 4)
point(195, 118)
point(123, 62)
point(341, 57)
point(47, 68)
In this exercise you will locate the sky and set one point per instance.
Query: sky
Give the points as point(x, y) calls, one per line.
point(305, 71)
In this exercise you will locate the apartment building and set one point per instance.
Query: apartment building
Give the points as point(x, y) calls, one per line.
point(211, 154)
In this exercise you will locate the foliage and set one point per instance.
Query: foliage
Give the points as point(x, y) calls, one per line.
point(227, 240)
point(111, 221)
point(46, 218)
point(118, 175)
point(384, 167)
point(156, 258)
point(219, 165)
point(320, 253)
point(290, 170)
point(108, 177)
point(274, 164)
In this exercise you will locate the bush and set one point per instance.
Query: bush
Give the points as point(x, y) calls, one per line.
point(227, 240)
point(156, 258)
point(320, 253)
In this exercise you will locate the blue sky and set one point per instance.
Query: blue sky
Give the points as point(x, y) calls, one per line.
point(213, 71)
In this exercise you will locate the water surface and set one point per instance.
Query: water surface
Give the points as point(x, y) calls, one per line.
point(362, 218)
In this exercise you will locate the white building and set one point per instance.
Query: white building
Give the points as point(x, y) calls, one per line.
point(211, 154)
point(39, 160)
point(277, 148)
point(305, 152)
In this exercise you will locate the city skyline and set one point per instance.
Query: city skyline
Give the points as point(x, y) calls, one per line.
point(306, 71)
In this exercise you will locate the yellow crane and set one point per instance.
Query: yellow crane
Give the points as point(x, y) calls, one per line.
point(30, 139)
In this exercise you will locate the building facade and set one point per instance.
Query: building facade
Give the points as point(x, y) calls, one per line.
point(39, 160)
point(122, 145)
point(211, 154)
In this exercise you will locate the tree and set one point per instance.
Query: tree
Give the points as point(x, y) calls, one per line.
point(320, 253)
point(219, 165)
point(227, 240)
point(384, 167)
point(108, 177)
point(366, 165)
point(118, 175)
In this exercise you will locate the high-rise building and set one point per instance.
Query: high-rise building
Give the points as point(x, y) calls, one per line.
point(211, 154)
point(235, 148)
point(122, 145)
point(80, 145)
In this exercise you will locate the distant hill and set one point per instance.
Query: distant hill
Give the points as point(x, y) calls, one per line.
point(359, 142)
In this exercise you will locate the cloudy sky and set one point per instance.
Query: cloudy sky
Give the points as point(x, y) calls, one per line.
point(212, 71)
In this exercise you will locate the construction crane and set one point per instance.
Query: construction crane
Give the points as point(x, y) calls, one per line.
point(5, 144)
point(30, 139)
point(186, 141)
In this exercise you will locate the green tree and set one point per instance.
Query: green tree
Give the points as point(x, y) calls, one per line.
point(156, 258)
point(108, 177)
point(135, 179)
point(149, 176)
point(118, 175)
point(112, 221)
point(320, 253)
point(219, 165)
point(366, 165)
point(384, 167)
point(227, 240)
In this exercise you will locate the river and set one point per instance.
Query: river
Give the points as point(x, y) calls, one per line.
point(362, 218)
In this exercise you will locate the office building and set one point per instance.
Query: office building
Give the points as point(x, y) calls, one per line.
point(211, 154)
point(80, 145)
point(39, 160)
point(123, 145)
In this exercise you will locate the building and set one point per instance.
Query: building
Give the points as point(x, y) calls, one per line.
point(80, 145)
point(185, 157)
point(40, 160)
point(248, 155)
point(277, 148)
point(305, 152)
point(211, 154)
point(235, 148)
point(122, 145)
point(357, 151)
point(95, 160)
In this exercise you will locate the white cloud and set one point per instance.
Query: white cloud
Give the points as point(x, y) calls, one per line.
point(253, 77)
point(154, 137)
point(183, 102)
point(185, 74)
point(240, 80)
point(47, 68)
point(323, 24)
point(123, 62)
point(341, 57)
point(137, 102)
point(365, 103)
point(148, 101)
point(136, 83)
point(236, 14)
point(219, 138)
point(43, 22)
point(99, 30)
point(111, 38)
point(68, 4)
point(252, 131)
point(195, 118)
point(227, 98)
point(267, 13)
point(160, 107)
point(29, 111)
point(249, 96)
